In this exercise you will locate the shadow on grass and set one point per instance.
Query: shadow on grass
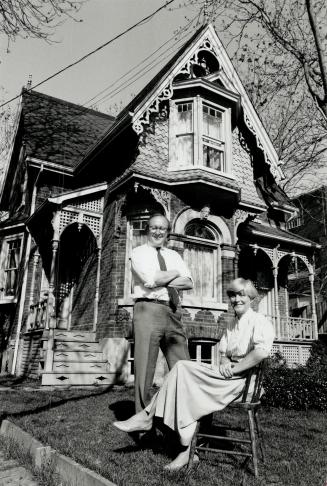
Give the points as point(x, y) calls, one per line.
point(123, 409)
point(54, 404)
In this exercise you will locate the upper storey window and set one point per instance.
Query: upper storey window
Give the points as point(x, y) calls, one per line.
point(213, 145)
point(185, 133)
point(200, 135)
point(10, 258)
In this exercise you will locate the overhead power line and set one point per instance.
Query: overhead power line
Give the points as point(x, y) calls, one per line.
point(145, 19)
point(175, 36)
point(136, 75)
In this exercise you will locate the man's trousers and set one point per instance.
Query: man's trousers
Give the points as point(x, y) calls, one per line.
point(155, 326)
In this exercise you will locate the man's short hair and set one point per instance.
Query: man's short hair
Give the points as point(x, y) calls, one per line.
point(154, 215)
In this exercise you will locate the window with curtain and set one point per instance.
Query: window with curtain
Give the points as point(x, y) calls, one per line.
point(198, 131)
point(184, 134)
point(201, 256)
point(137, 237)
point(12, 251)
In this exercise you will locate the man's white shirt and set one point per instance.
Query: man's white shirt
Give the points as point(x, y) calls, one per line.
point(145, 264)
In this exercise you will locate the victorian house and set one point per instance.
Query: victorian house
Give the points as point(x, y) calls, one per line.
point(79, 188)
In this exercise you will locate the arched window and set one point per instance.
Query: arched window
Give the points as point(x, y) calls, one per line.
point(202, 256)
point(199, 230)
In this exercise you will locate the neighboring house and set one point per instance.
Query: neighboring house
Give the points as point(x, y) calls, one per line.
point(79, 189)
point(311, 222)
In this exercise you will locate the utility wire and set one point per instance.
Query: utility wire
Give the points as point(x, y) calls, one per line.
point(145, 19)
point(184, 29)
point(138, 75)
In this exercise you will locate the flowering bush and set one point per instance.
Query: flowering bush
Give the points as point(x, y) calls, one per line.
point(298, 388)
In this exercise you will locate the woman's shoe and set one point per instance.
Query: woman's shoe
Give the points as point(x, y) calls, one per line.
point(137, 423)
point(180, 462)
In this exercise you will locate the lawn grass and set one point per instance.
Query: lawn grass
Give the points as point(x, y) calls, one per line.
point(78, 423)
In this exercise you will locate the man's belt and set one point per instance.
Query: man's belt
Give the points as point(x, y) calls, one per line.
point(153, 301)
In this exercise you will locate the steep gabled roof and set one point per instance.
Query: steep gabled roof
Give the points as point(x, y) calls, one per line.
point(58, 131)
point(161, 88)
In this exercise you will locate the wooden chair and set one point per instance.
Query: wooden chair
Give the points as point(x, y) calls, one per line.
point(250, 405)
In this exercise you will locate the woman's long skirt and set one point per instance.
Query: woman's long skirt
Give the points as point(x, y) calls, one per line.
point(190, 391)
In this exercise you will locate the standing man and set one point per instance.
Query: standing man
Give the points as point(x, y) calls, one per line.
point(158, 275)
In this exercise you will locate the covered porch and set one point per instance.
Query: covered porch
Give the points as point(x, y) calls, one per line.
point(282, 266)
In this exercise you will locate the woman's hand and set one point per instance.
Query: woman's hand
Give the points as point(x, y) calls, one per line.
point(226, 369)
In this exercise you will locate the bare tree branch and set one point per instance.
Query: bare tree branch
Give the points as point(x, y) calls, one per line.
point(35, 18)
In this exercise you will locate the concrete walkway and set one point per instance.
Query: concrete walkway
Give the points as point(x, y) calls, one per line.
point(12, 474)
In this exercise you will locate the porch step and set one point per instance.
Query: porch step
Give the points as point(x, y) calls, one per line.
point(76, 346)
point(66, 379)
point(81, 356)
point(79, 367)
point(84, 336)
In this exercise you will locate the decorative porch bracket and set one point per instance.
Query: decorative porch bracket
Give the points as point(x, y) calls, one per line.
point(162, 197)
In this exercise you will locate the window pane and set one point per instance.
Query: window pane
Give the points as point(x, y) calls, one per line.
point(11, 266)
point(184, 118)
point(212, 122)
point(199, 230)
point(184, 150)
point(200, 261)
point(213, 158)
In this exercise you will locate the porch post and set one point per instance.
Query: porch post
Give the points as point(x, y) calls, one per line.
point(97, 286)
point(36, 257)
point(278, 328)
point(51, 318)
point(236, 259)
point(287, 301)
point(313, 300)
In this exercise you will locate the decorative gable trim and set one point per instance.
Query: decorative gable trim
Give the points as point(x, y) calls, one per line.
point(209, 41)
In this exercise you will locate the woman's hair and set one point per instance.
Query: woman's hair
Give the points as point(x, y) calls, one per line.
point(242, 284)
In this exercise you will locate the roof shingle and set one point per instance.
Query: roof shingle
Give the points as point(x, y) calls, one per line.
point(59, 131)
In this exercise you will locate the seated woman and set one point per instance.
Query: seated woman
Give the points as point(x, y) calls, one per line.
point(192, 390)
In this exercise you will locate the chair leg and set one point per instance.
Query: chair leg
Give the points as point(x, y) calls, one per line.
point(192, 448)
point(253, 443)
point(260, 436)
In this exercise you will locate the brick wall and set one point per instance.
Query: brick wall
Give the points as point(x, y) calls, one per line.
point(112, 271)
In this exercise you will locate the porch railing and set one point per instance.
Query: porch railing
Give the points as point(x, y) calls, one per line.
point(293, 328)
point(297, 328)
point(37, 315)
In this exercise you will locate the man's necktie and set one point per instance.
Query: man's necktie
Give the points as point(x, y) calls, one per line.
point(173, 294)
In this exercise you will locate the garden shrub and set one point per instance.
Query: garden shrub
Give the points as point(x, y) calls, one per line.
point(299, 388)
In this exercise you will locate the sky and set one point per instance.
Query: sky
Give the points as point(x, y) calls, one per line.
point(96, 82)
point(101, 21)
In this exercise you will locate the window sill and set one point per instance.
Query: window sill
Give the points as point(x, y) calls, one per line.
point(204, 169)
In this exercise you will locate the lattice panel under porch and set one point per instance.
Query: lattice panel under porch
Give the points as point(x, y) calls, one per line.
point(294, 354)
point(66, 218)
point(94, 205)
point(93, 223)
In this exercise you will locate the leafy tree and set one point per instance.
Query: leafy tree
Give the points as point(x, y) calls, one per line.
point(280, 50)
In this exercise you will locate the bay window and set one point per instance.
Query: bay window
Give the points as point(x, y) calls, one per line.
point(200, 135)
